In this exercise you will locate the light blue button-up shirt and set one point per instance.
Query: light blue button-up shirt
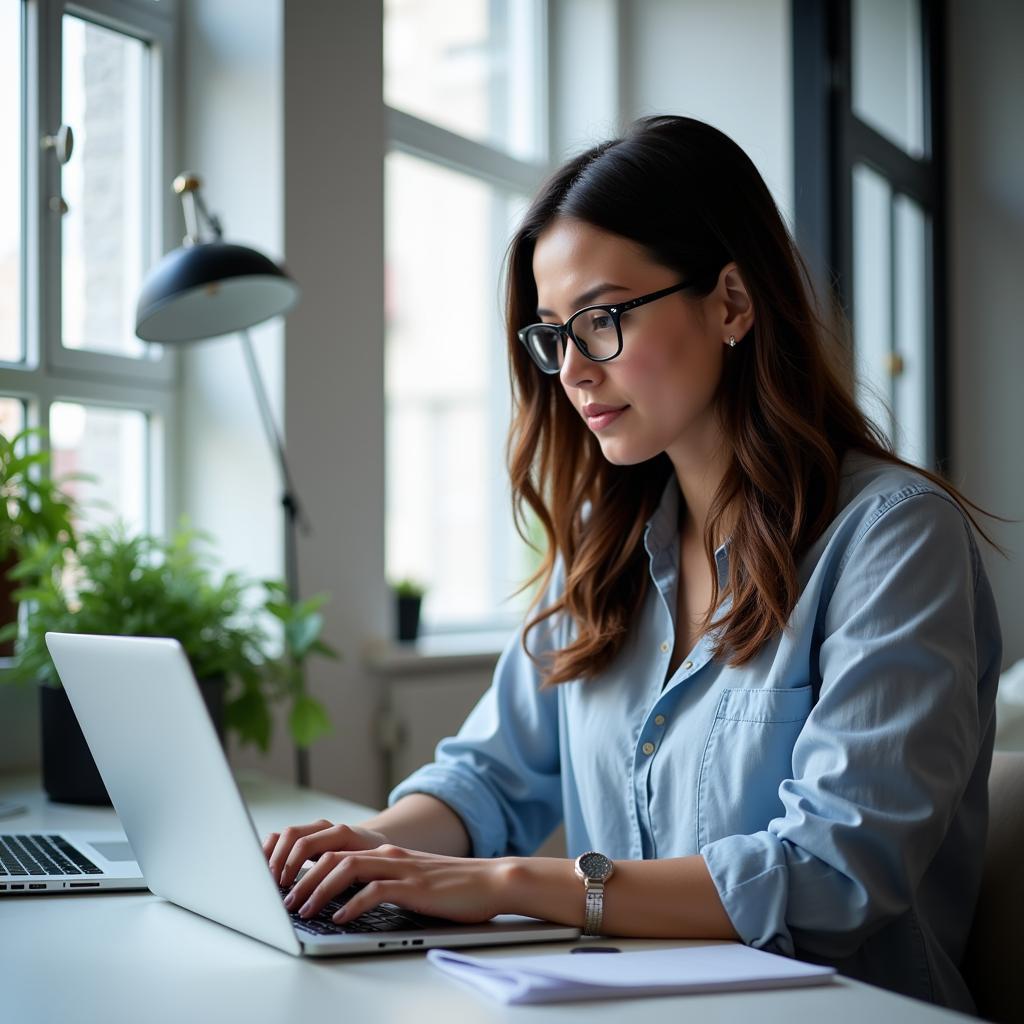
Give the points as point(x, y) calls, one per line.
point(836, 785)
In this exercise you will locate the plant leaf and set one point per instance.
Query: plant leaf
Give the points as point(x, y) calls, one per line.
point(308, 720)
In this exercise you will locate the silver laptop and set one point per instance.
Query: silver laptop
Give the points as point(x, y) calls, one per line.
point(159, 756)
point(38, 861)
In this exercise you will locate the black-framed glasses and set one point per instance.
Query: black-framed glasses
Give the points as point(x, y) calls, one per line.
point(595, 330)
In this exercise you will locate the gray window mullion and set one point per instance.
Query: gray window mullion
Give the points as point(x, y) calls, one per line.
point(420, 138)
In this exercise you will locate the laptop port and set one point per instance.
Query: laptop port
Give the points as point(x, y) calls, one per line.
point(417, 942)
point(2, 887)
point(84, 885)
point(18, 886)
point(36, 885)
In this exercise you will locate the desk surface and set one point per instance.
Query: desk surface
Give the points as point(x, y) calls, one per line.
point(132, 956)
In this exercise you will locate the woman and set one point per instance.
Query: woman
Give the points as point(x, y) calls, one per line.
point(760, 677)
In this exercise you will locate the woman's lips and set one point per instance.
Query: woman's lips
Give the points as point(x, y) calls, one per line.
point(601, 417)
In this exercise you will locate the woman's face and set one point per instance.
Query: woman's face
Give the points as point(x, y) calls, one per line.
point(656, 395)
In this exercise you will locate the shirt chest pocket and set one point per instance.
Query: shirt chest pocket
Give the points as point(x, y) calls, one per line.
point(748, 753)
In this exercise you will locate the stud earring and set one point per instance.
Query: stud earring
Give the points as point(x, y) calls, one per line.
point(732, 341)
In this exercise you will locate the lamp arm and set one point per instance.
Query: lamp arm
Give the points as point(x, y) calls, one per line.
point(289, 499)
point(188, 185)
point(211, 218)
point(293, 512)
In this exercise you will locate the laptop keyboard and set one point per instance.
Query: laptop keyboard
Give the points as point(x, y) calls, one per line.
point(42, 855)
point(384, 918)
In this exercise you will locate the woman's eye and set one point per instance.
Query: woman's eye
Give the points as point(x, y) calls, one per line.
point(600, 322)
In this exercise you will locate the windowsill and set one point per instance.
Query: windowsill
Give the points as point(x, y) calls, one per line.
point(438, 652)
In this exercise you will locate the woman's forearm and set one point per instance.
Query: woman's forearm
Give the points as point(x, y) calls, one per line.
point(673, 898)
point(422, 822)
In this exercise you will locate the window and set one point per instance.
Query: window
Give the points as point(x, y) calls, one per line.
point(869, 130)
point(85, 107)
point(466, 92)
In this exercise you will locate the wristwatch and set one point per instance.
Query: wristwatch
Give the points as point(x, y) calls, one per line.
point(595, 869)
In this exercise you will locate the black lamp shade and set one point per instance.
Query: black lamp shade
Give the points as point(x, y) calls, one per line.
point(208, 289)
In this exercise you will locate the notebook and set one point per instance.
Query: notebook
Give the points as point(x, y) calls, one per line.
point(559, 977)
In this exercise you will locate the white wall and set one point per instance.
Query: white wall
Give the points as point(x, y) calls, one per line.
point(986, 97)
point(728, 63)
point(334, 134)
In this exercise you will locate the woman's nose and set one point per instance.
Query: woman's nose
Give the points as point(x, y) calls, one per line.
point(577, 370)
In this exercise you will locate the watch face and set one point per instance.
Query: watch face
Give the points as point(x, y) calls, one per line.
point(595, 866)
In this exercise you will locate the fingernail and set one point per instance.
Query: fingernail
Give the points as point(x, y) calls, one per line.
point(305, 909)
point(289, 901)
point(339, 916)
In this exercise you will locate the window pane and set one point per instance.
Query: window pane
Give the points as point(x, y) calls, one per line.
point(110, 445)
point(446, 383)
point(872, 299)
point(887, 71)
point(912, 384)
point(104, 232)
point(474, 67)
point(12, 417)
point(11, 201)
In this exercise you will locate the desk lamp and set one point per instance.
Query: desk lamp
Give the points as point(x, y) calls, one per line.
point(206, 289)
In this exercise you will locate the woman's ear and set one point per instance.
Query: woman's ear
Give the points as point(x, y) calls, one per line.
point(734, 302)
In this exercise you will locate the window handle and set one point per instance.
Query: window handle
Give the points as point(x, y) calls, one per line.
point(63, 143)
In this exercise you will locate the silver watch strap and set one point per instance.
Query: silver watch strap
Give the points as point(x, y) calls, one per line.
point(594, 908)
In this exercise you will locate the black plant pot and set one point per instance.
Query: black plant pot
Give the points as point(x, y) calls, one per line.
point(408, 616)
point(70, 775)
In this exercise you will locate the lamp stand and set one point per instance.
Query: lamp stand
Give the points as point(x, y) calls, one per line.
point(294, 515)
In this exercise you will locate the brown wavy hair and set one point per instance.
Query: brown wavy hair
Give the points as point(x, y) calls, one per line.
point(694, 201)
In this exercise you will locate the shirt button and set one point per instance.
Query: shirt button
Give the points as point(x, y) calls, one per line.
point(659, 719)
point(648, 748)
point(664, 647)
point(687, 664)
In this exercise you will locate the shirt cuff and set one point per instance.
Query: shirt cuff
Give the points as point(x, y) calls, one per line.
point(751, 875)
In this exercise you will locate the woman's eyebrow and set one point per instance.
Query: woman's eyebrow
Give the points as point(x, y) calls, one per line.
point(587, 297)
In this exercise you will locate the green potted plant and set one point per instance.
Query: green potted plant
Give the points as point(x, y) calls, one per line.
point(34, 508)
point(120, 584)
point(408, 601)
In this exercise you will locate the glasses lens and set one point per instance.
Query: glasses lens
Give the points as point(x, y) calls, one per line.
point(597, 331)
point(546, 345)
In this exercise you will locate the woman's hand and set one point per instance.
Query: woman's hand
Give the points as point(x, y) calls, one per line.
point(464, 889)
point(287, 851)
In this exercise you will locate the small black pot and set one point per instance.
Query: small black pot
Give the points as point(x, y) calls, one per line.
point(70, 775)
point(408, 616)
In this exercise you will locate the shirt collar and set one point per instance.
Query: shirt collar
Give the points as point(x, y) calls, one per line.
point(662, 529)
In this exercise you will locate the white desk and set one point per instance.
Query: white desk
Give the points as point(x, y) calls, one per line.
point(133, 957)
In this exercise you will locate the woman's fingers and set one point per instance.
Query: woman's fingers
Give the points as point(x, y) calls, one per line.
point(334, 838)
point(392, 890)
point(287, 839)
point(335, 872)
point(269, 843)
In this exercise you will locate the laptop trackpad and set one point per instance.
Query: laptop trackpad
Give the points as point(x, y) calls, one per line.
point(114, 851)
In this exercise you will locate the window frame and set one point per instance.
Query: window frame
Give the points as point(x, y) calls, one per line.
point(50, 372)
point(830, 139)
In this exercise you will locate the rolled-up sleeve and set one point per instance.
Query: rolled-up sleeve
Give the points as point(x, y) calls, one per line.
point(501, 772)
point(883, 759)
